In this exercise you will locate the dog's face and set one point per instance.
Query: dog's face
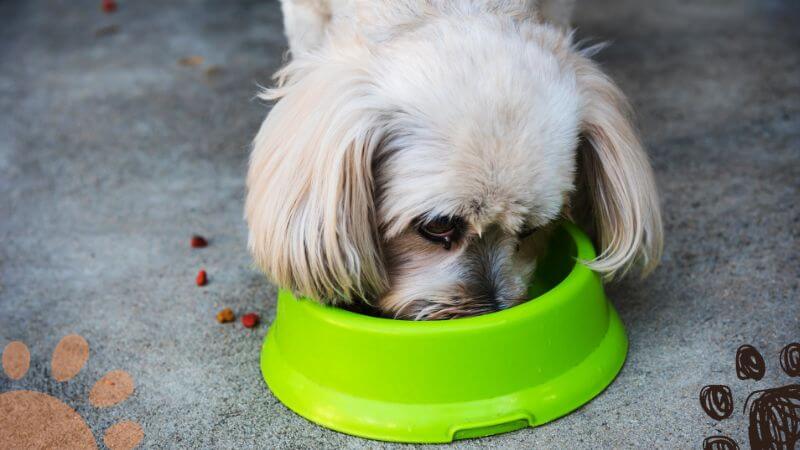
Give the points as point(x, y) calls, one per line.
point(480, 161)
point(423, 175)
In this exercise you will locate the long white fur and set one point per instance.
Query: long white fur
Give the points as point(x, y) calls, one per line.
point(391, 112)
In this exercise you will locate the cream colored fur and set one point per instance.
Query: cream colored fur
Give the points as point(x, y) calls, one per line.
point(394, 113)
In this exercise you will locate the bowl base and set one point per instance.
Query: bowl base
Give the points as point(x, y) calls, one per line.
point(445, 422)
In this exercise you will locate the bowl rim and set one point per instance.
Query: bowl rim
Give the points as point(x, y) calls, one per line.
point(578, 274)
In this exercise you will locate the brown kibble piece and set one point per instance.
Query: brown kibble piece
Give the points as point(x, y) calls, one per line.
point(198, 241)
point(70, 355)
point(191, 61)
point(108, 6)
point(225, 316)
point(16, 360)
point(749, 363)
point(124, 435)
point(113, 388)
point(202, 278)
point(717, 401)
point(250, 320)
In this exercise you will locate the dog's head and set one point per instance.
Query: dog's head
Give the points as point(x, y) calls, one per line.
point(422, 172)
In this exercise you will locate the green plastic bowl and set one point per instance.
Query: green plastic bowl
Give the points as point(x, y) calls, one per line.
point(437, 381)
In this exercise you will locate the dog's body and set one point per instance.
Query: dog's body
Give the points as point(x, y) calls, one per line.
point(306, 22)
point(420, 150)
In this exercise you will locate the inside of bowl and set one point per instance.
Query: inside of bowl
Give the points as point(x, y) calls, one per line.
point(555, 265)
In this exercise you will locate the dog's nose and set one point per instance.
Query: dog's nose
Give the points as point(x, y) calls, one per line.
point(495, 294)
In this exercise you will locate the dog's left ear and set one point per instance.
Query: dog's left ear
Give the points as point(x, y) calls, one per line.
point(616, 178)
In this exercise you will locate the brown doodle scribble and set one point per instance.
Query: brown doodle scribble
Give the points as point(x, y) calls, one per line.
point(774, 413)
point(717, 401)
point(749, 363)
point(775, 418)
point(720, 443)
point(790, 359)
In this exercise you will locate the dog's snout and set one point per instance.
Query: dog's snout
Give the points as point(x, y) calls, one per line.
point(486, 274)
point(493, 274)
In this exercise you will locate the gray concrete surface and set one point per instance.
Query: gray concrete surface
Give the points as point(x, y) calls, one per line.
point(112, 154)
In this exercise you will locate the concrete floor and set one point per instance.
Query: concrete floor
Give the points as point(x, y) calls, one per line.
point(112, 154)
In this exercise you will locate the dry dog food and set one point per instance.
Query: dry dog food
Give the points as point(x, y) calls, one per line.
point(202, 278)
point(191, 61)
point(108, 6)
point(225, 316)
point(250, 320)
point(198, 241)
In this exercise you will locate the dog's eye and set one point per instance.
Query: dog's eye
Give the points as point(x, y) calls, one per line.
point(442, 230)
point(526, 232)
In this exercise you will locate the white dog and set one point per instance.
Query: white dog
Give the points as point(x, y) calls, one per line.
point(420, 150)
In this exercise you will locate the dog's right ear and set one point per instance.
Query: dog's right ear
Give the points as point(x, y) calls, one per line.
point(309, 203)
point(619, 181)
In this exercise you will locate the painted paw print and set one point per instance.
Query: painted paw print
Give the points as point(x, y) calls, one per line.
point(774, 414)
point(30, 419)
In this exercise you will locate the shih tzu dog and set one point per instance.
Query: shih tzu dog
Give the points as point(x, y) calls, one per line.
point(419, 151)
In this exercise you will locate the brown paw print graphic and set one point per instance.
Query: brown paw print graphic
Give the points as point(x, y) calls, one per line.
point(774, 413)
point(30, 419)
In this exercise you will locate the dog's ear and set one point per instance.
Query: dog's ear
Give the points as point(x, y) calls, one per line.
point(615, 180)
point(309, 202)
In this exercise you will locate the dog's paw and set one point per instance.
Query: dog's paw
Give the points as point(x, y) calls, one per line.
point(33, 419)
point(774, 414)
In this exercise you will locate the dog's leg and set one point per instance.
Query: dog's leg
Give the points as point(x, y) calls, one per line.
point(304, 22)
